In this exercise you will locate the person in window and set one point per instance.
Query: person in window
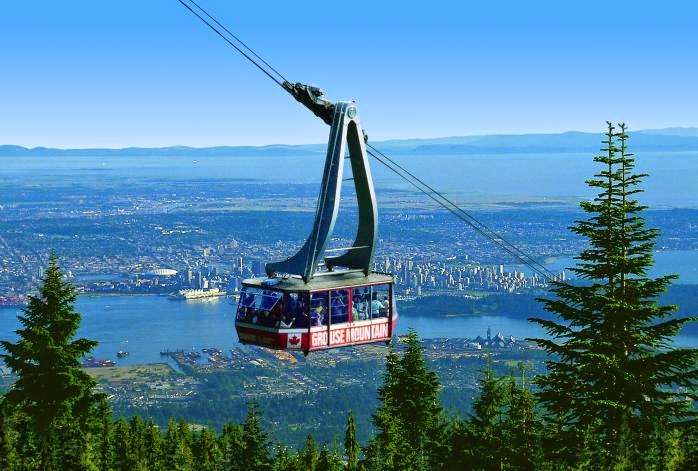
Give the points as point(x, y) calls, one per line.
point(321, 315)
point(315, 314)
point(360, 308)
point(384, 306)
point(339, 310)
point(376, 306)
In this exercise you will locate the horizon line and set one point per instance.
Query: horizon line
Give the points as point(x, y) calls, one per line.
point(262, 146)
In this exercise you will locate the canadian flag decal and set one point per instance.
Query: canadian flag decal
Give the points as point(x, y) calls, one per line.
point(293, 340)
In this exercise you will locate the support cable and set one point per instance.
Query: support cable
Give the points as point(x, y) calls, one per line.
point(219, 33)
point(391, 164)
point(468, 218)
point(238, 40)
point(477, 226)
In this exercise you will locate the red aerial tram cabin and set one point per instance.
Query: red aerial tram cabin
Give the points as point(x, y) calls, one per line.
point(295, 308)
point(329, 311)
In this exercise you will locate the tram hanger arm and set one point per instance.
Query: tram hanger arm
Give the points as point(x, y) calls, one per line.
point(312, 98)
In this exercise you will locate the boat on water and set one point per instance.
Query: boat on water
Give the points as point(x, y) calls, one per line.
point(199, 293)
point(122, 353)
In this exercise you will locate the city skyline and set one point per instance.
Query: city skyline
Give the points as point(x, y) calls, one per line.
point(151, 75)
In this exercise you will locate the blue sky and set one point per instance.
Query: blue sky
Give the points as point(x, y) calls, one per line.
point(147, 73)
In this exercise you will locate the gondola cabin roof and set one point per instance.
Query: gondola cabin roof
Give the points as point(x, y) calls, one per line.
point(321, 282)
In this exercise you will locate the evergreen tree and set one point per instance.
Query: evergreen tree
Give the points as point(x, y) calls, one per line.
point(136, 441)
point(104, 436)
point(124, 459)
point(410, 417)
point(152, 446)
point(328, 461)
point(522, 428)
point(611, 350)
point(207, 454)
point(255, 451)
point(351, 444)
point(462, 442)
point(26, 446)
point(52, 388)
point(487, 422)
point(308, 454)
point(689, 446)
point(231, 445)
point(178, 456)
point(8, 454)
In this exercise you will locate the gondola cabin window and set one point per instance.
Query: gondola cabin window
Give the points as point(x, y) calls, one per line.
point(260, 307)
point(339, 306)
point(361, 304)
point(295, 311)
point(318, 309)
point(380, 301)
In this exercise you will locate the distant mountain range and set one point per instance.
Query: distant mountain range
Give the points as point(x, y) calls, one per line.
point(669, 140)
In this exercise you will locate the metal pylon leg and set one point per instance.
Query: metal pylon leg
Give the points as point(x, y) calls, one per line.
point(345, 129)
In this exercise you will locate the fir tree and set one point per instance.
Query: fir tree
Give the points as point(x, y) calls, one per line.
point(308, 454)
point(612, 356)
point(178, 456)
point(136, 441)
point(152, 446)
point(255, 451)
point(410, 416)
point(207, 454)
point(328, 461)
point(124, 458)
point(351, 445)
point(522, 427)
point(231, 446)
point(462, 441)
point(52, 388)
point(8, 454)
point(104, 436)
point(487, 422)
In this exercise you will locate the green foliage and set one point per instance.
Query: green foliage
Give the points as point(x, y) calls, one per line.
point(613, 369)
point(522, 427)
point(328, 461)
point(52, 391)
point(410, 422)
point(487, 421)
point(207, 454)
point(308, 454)
point(178, 455)
point(231, 445)
point(152, 447)
point(351, 444)
point(255, 442)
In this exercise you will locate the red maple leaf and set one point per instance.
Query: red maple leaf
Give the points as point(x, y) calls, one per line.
point(294, 340)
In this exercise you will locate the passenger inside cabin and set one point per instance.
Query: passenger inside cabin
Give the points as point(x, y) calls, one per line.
point(385, 304)
point(360, 303)
point(376, 306)
point(318, 309)
point(319, 316)
point(339, 309)
point(301, 314)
